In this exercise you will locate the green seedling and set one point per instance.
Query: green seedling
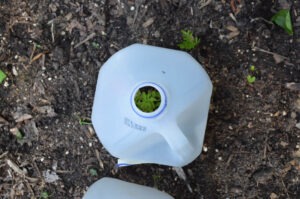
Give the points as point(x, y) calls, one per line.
point(19, 136)
point(251, 79)
point(189, 41)
point(283, 19)
point(95, 45)
point(37, 45)
point(2, 76)
point(147, 102)
point(84, 120)
point(252, 68)
point(156, 178)
point(93, 172)
point(44, 195)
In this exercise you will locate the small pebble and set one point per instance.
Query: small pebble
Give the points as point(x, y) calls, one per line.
point(90, 144)
point(284, 113)
point(220, 158)
point(293, 115)
point(205, 149)
point(6, 84)
point(67, 152)
point(132, 8)
point(42, 159)
point(49, 78)
point(230, 128)
point(216, 150)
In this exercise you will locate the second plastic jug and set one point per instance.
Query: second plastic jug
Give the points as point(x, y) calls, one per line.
point(169, 128)
point(110, 188)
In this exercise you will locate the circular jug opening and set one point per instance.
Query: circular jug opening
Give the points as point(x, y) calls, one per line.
point(148, 100)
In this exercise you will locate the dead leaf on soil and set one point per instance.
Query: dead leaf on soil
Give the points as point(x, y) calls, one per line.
point(232, 35)
point(148, 22)
point(50, 176)
point(22, 118)
point(232, 28)
point(284, 144)
point(293, 86)
point(278, 58)
point(47, 110)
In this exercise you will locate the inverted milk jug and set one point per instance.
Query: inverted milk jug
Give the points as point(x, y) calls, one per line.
point(110, 188)
point(151, 106)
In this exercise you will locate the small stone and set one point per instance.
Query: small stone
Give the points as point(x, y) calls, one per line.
point(220, 158)
point(298, 125)
point(156, 34)
point(284, 113)
point(14, 71)
point(67, 152)
point(6, 84)
point(205, 149)
point(132, 8)
point(216, 150)
point(90, 144)
point(230, 128)
point(293, 115)
point(273, 196)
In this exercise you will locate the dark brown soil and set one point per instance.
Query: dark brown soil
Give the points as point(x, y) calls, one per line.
point(252, 138)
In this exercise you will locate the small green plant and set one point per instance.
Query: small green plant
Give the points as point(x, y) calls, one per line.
point(251, 79)
point(93, 172)
point(189, 41)
point(2, 76)
point(147, 102)
point(252, 68)
point(19, 136)
point(84, 120)
point(37, 45)
point(45, 195)
point(156, 178)
point(283, 19)
point(95, 45)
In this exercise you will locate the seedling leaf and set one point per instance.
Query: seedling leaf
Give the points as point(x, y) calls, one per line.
point(93, 172)
point(252, 68)
point(251, 79)
point(189, 41)
point(2, 76)
point(283, 19)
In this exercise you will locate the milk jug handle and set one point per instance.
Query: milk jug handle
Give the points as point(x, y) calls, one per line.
point(178, 142)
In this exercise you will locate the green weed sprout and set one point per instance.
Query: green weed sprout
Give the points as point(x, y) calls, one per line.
point(283, 19)
point(147, 102)
point(45, 195)
point(251, 79)
point(2, 76)
point(93, 172)
point(189, 41)
point(84, 120)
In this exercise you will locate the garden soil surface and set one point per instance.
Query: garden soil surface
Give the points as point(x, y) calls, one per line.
point(52, 51)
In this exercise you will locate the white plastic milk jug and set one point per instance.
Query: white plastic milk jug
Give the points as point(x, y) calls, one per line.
point(172, 134)
point(110, 188)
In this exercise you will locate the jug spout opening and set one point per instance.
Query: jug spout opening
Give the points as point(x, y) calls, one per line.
point(148, 100)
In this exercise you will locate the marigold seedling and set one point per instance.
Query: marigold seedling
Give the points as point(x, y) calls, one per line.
point(283, 19)
point(189, 41)
point(252, 68)
point(45, 195)
point(147, 102)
